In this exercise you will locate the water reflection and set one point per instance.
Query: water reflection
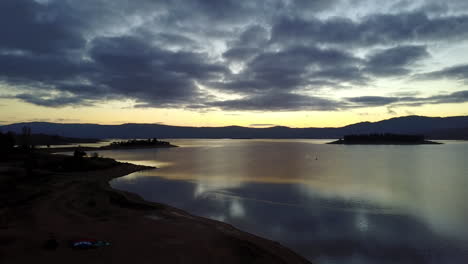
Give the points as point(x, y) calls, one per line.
point(332, 204)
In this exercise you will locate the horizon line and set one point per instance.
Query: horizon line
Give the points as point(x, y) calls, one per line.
point(253, 127)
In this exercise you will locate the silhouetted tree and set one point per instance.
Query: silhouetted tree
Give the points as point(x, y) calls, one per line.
point(26, 138)
point(79, 153)
point(7, 141)
point(7, 144)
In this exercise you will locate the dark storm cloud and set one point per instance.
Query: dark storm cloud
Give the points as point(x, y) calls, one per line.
point(394, 61)
point(384, 29)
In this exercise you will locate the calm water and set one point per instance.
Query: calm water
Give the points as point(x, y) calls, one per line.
point(330, 203)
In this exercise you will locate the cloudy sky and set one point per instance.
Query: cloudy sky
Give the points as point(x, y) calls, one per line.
point(252, 63)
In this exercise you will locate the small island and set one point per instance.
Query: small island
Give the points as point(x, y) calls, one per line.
point(143, 143)
point(383, 139)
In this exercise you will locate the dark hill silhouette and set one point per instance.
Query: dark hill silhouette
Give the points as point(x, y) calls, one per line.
point(432, 127)
point(409, 125)
point(383, 139)
point(449, 133)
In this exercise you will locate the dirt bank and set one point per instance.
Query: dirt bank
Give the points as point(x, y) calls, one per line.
point(71, 205)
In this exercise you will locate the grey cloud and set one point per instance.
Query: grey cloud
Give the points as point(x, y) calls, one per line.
point(54, 101)
point(353, 74)
point(175, 40)
point(456, 97)
point(390, 111)
point(132, 67)
point(373, 100)
point(253, 36)
point(458, 72)
point(250, 43)
point(120, 66)
point(30, 26)
point(290, 69)
point(278, 102)
point(155, 52)
point(394, 61)
point(115, 67)
point(363, 101)
point(299, 56)
point(233, 12)
point(29, 67)
point(224, 10)
point(384, 29)
point(241, 53)
point(312, 5)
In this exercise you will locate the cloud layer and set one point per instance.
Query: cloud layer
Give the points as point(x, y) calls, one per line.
point(272, 55)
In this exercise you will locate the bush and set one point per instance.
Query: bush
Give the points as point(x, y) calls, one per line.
point(78, 153)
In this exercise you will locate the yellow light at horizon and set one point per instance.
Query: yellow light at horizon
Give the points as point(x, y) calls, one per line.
point(13, 111)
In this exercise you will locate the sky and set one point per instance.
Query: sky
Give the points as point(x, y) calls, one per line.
point(304, 63)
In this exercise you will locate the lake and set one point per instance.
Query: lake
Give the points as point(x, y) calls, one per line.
point(330, 203)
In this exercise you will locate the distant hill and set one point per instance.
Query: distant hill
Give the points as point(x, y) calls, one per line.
point(433, 127)
point(43, 139)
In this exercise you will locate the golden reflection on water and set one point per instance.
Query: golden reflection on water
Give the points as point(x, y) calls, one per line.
point(428, 182)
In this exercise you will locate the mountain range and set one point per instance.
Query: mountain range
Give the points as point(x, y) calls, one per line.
point(455, 127)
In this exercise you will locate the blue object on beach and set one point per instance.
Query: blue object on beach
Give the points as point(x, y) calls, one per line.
point(88, 243)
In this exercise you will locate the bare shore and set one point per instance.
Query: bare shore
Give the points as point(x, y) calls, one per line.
point(73, 205)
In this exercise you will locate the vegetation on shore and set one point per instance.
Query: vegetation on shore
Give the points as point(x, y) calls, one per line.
point(151, 142)
point(20, 150)
point(27, 138)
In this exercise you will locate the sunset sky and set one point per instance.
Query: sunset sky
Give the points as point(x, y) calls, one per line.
point(215, 63)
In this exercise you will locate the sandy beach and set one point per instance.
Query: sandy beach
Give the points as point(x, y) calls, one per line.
point(73, 205)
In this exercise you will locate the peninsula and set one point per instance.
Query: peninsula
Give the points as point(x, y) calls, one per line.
point(129, 144)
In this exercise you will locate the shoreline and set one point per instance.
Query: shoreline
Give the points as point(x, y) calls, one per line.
point(344, 142)
point(71, 149)
point(83, 205)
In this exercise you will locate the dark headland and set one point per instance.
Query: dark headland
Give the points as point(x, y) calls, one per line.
point(128, 144)
point(51, 197)
point(383, 139)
